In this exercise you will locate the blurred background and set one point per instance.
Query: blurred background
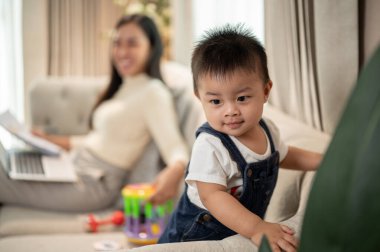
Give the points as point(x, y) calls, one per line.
point(71, 37)
point(315, 48)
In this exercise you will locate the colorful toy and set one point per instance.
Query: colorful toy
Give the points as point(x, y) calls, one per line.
point(144, 222)
point(93, 223)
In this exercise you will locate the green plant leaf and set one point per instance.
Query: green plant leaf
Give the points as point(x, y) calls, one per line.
point(344, 207)
point(264, 246)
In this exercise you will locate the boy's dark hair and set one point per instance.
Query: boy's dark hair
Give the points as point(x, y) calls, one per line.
point(223, 50)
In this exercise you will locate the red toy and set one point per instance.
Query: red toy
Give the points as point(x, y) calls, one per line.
point(116, 219)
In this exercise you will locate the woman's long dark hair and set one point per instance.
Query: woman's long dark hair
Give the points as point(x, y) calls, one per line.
point(153, 63)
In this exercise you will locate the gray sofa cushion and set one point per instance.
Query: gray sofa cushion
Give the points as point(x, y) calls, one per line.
point(62, 242)
point(61, 105)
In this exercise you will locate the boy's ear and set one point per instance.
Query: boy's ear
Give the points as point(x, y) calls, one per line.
point(196, 93)
point(267, 89)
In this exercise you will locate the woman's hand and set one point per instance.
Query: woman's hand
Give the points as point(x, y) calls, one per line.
point(280, 237)
point(167, 183)
point(62, 141)
point(39, 133)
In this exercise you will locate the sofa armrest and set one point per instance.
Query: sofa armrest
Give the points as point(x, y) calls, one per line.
point(292, 188)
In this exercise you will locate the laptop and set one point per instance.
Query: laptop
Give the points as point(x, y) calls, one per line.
point(23, 164)
point(42, 161)
point(10, 123)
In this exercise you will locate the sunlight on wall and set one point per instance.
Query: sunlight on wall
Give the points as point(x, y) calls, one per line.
point(215, 13)
point(11, 95)
point(11, 66)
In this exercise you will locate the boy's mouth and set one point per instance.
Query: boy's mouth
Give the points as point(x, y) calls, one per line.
point(234, 124)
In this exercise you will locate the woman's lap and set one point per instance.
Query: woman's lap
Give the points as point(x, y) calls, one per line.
point(98, 187)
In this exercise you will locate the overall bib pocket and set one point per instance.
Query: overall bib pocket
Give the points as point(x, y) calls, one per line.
point(205, 227)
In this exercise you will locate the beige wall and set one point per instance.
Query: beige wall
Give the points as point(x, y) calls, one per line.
point(35, 42)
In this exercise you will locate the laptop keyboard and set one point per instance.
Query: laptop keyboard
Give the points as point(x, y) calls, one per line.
point(29, 163)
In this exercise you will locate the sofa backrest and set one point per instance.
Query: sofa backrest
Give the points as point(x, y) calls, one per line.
point(62, 105)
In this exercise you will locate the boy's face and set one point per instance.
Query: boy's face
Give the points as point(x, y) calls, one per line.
point(234, 103)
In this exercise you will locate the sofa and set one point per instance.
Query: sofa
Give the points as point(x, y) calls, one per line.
point(61, 105)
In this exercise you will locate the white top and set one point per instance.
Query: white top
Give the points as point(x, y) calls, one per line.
point(212, 163)
point(142, 109)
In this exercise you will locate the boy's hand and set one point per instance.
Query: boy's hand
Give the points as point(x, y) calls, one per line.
point(280, 237)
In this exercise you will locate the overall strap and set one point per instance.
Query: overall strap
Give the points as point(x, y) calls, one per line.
point(227, 142)
point(266, 129)
point(230, 145)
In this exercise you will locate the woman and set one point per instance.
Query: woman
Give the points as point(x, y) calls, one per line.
point(135, 107)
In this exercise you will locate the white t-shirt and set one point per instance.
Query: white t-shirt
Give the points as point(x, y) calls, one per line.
point(212, 163)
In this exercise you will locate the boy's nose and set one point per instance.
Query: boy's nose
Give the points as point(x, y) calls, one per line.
point(232, 110)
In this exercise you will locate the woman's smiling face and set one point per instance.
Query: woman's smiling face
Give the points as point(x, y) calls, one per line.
point(130, 50)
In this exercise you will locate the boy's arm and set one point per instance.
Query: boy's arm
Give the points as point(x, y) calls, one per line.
point(300, 159)
point(227, 209)
point(235, 216)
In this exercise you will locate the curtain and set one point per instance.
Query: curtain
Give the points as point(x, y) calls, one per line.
point(11, 63)
point(182, 42)
point(79, 36)
point(313, 57)
point(369, 31)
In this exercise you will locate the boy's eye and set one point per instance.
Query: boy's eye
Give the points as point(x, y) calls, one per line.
point(241, 98)
point(215, 101)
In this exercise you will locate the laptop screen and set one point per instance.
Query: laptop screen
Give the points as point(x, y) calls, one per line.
point(3, 157)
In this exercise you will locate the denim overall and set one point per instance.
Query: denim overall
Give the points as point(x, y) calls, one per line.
point(191, 223)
